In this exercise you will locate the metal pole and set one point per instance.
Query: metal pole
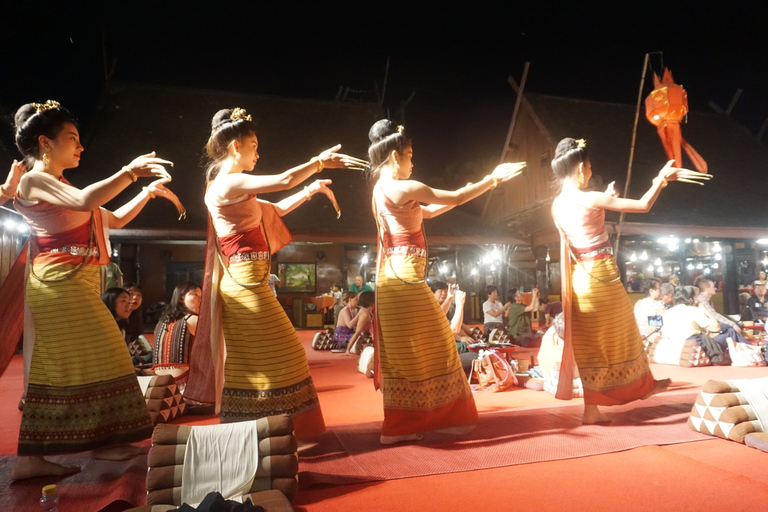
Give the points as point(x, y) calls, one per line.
point(632, 148)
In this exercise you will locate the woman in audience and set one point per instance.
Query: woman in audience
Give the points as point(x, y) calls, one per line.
point(135, 325)
point(416, 350)
point(363, 324)
point(264, 355)
point(685, 320)
point(601, 331)
point(345, 327)
point(98, 401)
point(176, 329)
point(649, 308)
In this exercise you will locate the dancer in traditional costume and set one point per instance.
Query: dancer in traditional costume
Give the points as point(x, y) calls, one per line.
point(601, 331)
point(266, 371)
point(418, 367)
point(81, 390)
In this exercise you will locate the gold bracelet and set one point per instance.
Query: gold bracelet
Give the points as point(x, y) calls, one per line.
point(663, 182)
point(309, 194)
point(494, 182)
point(149, 192)
point(320, 165)
point(2, 193)
point(130, 173)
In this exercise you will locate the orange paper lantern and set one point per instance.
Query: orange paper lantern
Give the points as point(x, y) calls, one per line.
point(665, 108)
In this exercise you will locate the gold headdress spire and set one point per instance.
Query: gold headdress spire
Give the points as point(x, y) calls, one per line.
point(48, 105)
point(238, 114)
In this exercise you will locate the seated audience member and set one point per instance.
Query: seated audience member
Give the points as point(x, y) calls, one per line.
point(551, 356)
point(762, 278)
point(667, 292)
point(176, 329)
point(685, 321)
point(707, 291)
point(635, 285)
point(118, 301)
point(755, 307)
point(493, 311)
point(674, 280)
point(360, 285)
point(367, 302)
point(345, 326)
point(338, 302)
point(135, 324)
point(446, 295)
point(649, 308)
point(520, 327)
point(551, 310)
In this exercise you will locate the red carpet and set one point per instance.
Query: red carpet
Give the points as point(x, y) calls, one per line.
point(352, 453)
point(94, 488)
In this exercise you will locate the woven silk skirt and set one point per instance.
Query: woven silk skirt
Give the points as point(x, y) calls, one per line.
point(606, 340)
point(82, 391)
point(266, 372)
point(424, 385)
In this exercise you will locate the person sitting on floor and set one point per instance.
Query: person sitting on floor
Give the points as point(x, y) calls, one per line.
point(367, 302)
point(118, 301)
point(345, 326)
point(728, 327)
point(551, 356)
point(756, 306)
point(176, 329)
point(520, 327)
point(648, 310)
point(447, 295)
point(135, 324)
point(338, 301)
point(551, 310)
point(685, 321)
point(493, 311)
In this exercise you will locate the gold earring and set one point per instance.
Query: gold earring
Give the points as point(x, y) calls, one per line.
point(46, 159)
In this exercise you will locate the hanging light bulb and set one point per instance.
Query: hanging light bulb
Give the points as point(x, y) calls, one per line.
point(715, 265)
point(690, 266)
point(699, 265)
point(364, 261)
point(644, 256)
point(633, 257)
point(548, 258)
point(650, 268)
point(718, 256)
point(707, 271)
point(660, 270)
point(657, 261)
point(474, 271)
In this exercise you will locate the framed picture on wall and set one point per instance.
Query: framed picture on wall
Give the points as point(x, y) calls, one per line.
point(297, 277)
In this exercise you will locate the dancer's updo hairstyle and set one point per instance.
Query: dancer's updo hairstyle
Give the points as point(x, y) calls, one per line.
point(227, 125)
point(385, 136)
point(31, 124)
point(568, 155)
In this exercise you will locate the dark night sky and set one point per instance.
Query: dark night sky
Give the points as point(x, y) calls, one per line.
point(455, 54)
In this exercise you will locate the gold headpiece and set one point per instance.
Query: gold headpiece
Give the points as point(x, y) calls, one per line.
point(48, 105)
point(400, 128)
point(238, 114)
point(581, 143)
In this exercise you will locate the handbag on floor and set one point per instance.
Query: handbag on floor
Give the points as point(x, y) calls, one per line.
point(493, 373)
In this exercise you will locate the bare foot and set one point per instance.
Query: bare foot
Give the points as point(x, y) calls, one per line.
point(456, 431)
point(593, 416)
point(387, 440)
point(119, 452)
point(661, 386)
point(34, 465)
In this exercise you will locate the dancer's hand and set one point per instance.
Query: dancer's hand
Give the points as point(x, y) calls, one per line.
point(507, 171)
point(159, 189)
point(670, 173)
point(321, 186)
point(149, 165)
point(611, 190)
point(334, 160)
point(12, 181)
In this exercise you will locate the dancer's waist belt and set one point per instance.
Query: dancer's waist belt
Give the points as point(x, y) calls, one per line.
point(249, 256)
point(407, 250)
point(75, 250)
point(593, 253)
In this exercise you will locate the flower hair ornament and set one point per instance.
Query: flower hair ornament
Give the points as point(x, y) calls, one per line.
point(581, 143)
point(238, 114)
point(400, 129)
point(48, 105)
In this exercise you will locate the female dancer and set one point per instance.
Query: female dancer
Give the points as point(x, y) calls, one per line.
point(418, 366)
point(76, 400)
point(266, 370)
point(601, 331)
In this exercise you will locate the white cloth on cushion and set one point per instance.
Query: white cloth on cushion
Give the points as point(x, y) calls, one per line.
point(756, 391)
point(220, 458)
